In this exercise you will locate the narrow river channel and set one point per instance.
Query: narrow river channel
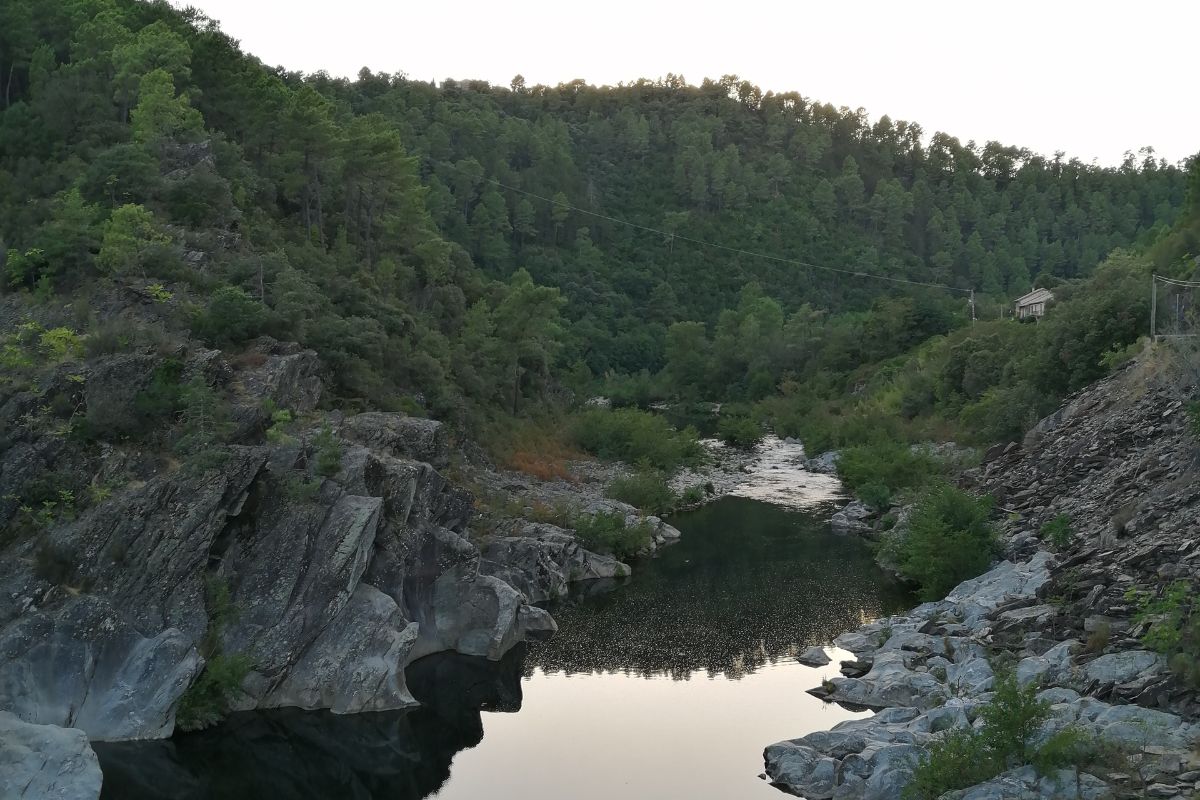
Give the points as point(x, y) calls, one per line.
point(667, 686)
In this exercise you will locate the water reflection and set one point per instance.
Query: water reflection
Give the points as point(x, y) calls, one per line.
point(315, 755)
point(750, 583)
point(669, 687)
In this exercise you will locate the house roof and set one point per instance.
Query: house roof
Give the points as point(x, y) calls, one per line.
point(1036, 296)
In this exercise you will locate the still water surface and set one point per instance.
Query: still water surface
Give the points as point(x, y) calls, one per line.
point(668, 687)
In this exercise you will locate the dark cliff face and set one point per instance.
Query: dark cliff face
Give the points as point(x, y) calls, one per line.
point(327, 557)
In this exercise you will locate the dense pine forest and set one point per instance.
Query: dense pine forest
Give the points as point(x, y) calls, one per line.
point(472, 252)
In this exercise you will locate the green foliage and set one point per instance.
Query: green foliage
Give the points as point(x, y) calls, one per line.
point(159, 293)
point(1173, 619)
point(948, 540)
point(876, 495)
point(739, 431)
point(635, 437)
point(692, 495)
point(1011, 718)
point(608, 533)
point(300, 489)
point(964, 757)
point(32, 345)
point(328, 452)
point(204, 423)
point(957, 760)
point(230, 317)
point(888, 466)
point(646, 490)
point(206, 701)
point(280, 419)
point(131, 239)
point(1057, 532)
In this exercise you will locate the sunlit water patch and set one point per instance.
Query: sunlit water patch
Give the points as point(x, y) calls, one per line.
point(777, 475)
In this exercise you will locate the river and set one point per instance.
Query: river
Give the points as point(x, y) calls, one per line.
point(667, 686)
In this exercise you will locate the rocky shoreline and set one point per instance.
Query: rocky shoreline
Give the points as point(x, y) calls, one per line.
point(1118, 461)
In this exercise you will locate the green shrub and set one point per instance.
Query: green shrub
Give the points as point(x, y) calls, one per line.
point(280, 418)
point(1004, 414)
point(328, 452)
point(1173, 619)
point(875, 495)
point(635, 436)
point(964, 757)
point(206, 701)
point(608, 533)
point(204, 422)
point(646, 490)
point(956, 761)
point(1057, 532)
point(948, 540)
point(1011, 718)
point(230, 317)
point(692, 495)
point(893, 466)
point(739, 431)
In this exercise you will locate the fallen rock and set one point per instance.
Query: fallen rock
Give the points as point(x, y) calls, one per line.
point(855, 517)
point(46, 761)
point(814, 657)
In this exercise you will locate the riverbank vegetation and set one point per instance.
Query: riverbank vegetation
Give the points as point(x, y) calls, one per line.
point(1006, 739)
point(948, 538)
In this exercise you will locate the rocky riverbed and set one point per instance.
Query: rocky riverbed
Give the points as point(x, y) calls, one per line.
point(1119, 462)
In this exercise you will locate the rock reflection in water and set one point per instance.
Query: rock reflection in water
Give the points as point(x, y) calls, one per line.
point(291, 754)
point(749, 584)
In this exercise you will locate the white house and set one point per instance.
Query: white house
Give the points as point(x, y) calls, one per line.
point(1033, 304)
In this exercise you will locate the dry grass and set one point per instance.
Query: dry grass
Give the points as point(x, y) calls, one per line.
point(538, 449)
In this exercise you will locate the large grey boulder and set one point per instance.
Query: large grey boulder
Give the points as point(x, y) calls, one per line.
point(46, 762)
point(855, 517)
point(1123, 666)
point(355, 665)
point(544, 560)
point(1051, 667)
point(1006, 581)
point(1025, 784)
point(814, 657)
point(83, 665)
point(400, 436)
point(826, 463)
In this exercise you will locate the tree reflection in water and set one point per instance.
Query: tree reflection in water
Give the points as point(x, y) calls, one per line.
point(748, 584)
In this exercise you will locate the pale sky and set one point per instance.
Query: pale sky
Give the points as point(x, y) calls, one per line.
point(1093, 79)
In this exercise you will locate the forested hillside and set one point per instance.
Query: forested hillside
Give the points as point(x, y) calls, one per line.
point(459, 250)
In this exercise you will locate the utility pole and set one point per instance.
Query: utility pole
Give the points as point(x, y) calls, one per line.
point(1153, 303)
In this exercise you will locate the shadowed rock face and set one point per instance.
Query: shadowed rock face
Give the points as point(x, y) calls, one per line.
point(334, 589)
point(297, 755)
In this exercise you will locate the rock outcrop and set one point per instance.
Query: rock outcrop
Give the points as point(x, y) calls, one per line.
point(326, 559)
point(46, 762)
point(1118, 461)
